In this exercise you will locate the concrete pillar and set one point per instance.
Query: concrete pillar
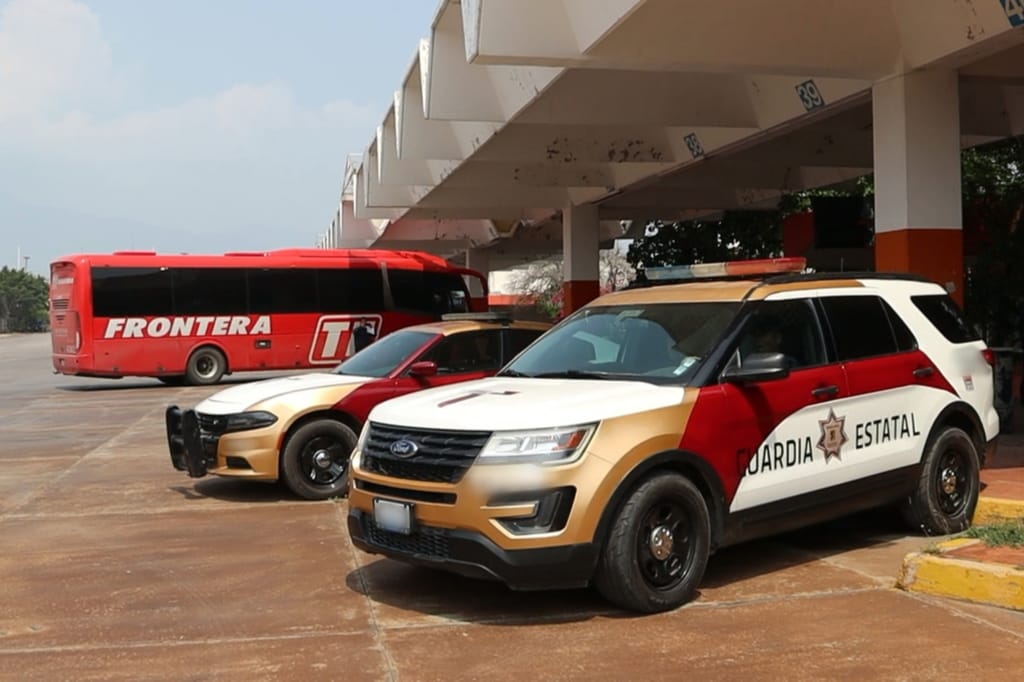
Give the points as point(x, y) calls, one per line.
point(918, 216)
point(479, 260)
point(580, 266)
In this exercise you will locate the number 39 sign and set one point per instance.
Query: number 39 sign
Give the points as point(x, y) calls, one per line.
point(810, 96)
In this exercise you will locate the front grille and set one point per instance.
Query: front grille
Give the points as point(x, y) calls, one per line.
point(431, 542)
point(441, 456)
point(212, 423)
point(60, 304)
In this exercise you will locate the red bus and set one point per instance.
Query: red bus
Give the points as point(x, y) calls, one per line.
point(194, 318)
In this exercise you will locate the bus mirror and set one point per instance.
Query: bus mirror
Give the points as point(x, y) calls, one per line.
point(423, 368)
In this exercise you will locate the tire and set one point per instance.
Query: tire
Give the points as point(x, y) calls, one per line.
point(946, 494)
point(656, 552)
point(172, 380)
point(205, 366)
point(314, 460)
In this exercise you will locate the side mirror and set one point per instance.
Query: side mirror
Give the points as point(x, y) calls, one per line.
point(423, 368)
point(758, 367)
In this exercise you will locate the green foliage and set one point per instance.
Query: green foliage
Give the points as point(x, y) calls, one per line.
point(993, 195)
point(1007, 534)
point(737, 235)
point(23, 300)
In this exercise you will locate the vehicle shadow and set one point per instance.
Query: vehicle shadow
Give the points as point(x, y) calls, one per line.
point(437, 593)
point(440, 594)
point(147, 384)
point(229, 490)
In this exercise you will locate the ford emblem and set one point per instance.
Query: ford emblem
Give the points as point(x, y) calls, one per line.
point(404, 448)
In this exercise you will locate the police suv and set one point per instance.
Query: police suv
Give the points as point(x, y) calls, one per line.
point(658, 424)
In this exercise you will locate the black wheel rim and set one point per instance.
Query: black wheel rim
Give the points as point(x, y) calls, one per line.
point(664, 548)
point(206, 366)
point(952, 482)
point(324, 460)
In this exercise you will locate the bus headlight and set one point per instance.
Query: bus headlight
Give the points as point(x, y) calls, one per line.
point(560, 445)
point(246, 421)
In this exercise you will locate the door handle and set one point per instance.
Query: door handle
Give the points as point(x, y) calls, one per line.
point(825, 392)
point(923, 372)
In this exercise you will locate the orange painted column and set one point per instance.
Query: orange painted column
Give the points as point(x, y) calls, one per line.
point(933, 253)
point(918, 215)
point(580, 269)
point(577, 294)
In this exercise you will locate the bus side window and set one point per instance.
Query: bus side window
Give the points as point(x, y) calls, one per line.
point(430, 293)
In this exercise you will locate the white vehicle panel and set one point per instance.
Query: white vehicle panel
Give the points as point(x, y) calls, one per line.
point(508, 403)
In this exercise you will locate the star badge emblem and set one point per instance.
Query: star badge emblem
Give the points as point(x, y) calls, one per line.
point(832, 436)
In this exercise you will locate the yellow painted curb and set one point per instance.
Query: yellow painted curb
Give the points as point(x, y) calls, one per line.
point(995, 509)
point(985, 583)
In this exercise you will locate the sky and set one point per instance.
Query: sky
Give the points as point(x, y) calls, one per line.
point(195, 126)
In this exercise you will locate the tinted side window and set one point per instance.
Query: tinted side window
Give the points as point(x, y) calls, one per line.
point(210, 291)
point(787, 327)
point(860, 326)
point(468, 352)
point(945, 315)
point(518, 339)
point(433, 293)
point(359, 290)
point(282, 291)
point(131, 292)
point(904, 337)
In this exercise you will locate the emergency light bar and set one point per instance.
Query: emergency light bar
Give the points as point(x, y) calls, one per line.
point(477, 317)
point(736, 268)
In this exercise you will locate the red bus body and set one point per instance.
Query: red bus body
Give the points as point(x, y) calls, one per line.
point(144, 314)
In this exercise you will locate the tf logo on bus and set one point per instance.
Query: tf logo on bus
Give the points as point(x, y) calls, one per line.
point(339, 336)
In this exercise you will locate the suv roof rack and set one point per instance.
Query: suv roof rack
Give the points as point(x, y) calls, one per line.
point(503, 318)
point(849, 274)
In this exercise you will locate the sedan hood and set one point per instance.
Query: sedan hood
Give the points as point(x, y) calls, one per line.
point(245, 396)
point(505, 403)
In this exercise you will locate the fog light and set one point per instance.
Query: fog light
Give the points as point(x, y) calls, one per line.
point(550, 514)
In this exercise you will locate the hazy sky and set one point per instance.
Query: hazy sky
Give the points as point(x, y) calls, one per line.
point(188, 125)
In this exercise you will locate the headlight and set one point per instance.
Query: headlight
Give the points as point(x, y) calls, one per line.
point(244, 421)
point(544, 445)
point(362, 437)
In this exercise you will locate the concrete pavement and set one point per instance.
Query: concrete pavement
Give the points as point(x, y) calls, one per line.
point(115, 566)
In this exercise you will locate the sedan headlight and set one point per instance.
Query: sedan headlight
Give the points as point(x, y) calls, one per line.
point(559, 445)
point(246, 421)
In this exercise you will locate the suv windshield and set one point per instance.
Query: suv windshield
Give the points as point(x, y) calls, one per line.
point(382, 357)
point(652, 341)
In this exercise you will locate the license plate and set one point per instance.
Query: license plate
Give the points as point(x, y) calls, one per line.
point(393, 516)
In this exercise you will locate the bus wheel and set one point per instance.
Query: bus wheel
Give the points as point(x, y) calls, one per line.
point(205, 366)
point(314, 461)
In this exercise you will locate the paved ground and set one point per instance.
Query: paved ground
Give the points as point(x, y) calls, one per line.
point(115, 566)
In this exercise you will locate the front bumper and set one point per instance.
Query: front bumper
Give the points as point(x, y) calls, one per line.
point(185, 442)
point(474, 555)
point(251, 454)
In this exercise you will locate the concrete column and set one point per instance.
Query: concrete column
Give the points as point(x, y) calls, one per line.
point(918, 216)
point(479, 260)
point(580, 268)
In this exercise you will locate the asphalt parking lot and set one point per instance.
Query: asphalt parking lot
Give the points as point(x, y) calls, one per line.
point(115, 566)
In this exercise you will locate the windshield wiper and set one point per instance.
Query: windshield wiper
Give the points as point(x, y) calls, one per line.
point(513, 373)
point(572, 374)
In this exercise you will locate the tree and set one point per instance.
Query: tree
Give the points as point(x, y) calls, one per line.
point(23, 300)
point(736, 235)
point(993, 199)
point(541, 281)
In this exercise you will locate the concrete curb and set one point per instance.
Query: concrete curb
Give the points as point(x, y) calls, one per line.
point(995, 509)
point(985, 583)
